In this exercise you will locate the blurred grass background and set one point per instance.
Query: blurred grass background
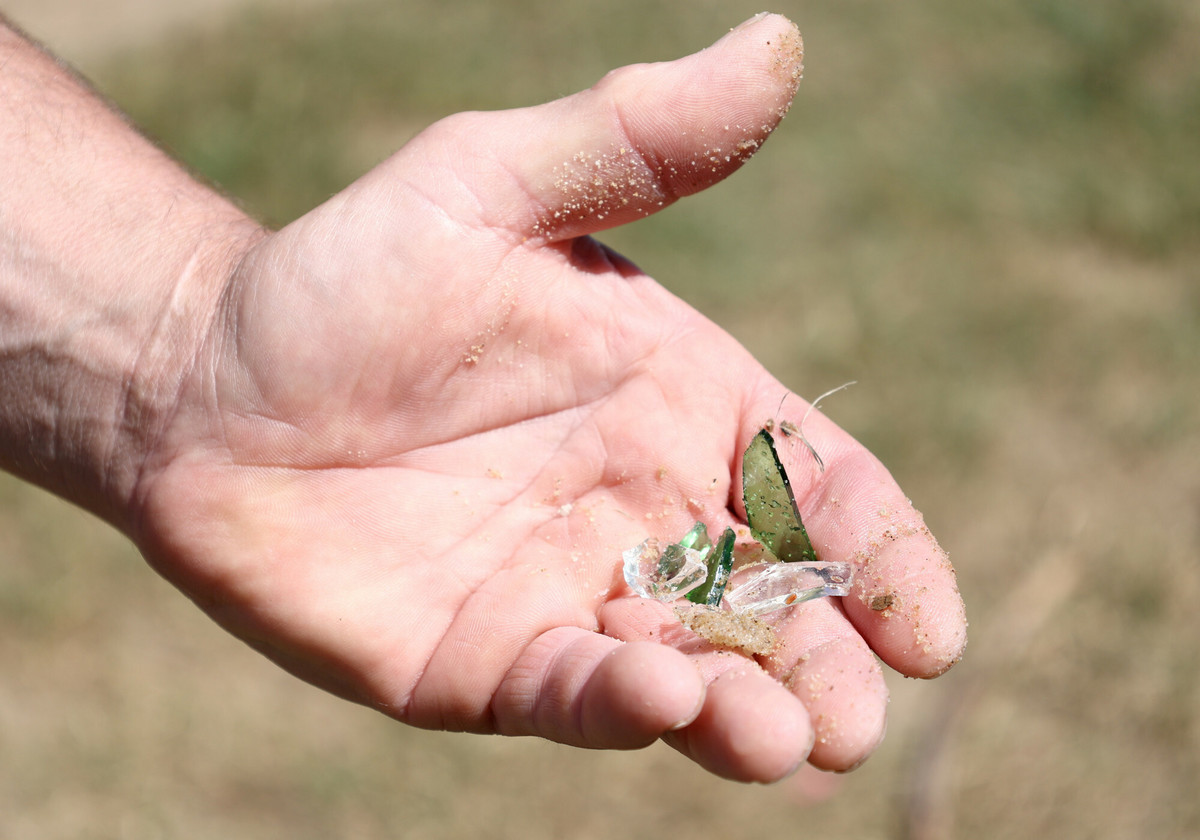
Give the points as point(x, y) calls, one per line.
point(985, 213)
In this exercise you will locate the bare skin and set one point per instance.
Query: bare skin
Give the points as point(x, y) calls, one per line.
point(399, 445)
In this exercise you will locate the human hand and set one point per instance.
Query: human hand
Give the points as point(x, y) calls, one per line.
point(429, 415)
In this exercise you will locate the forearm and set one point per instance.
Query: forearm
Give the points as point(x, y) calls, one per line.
point(111, 261)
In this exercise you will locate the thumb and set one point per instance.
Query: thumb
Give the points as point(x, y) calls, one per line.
point(643, 137)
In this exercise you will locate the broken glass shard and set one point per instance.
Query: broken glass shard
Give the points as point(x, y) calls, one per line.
point(701, 571)
point(652, 572)
point(696, 538)
point(773, 586)
point(770, 505)
point(720, 562)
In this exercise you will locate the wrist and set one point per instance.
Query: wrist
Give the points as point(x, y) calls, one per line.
point(162, 352)
point(112, 260)
point(88, 383)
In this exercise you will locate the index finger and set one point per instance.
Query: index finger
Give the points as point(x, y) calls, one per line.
point(905, 600)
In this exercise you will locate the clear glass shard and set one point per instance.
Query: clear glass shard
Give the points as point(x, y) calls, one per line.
point(652, 572)
point(758, 590)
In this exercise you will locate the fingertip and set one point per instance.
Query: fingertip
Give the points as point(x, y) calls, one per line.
point(939, 641)
point(906, 601)
point(751, 729)
point(781, 36)
point(842, 686)
point(639, 691)
point(581, 688)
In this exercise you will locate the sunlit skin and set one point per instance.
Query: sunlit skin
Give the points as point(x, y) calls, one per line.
point(399, 445)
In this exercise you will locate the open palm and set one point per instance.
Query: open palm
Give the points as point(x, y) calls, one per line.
point(430, 415)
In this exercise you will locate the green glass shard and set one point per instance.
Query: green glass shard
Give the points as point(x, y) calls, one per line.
point(720, 563)
point(770, 505)
point(696, 538)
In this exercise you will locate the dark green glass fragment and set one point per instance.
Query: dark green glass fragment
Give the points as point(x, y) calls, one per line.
point(770, 505)
point(720, 563)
